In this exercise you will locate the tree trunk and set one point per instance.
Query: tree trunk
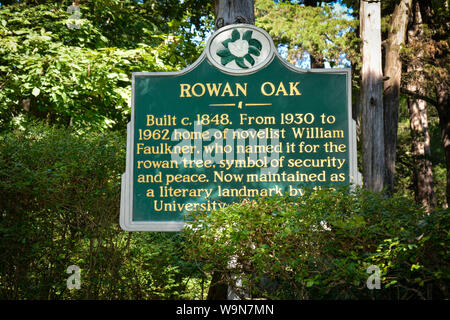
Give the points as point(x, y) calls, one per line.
point(422, 168)
point(393, 70)
point(441, 89)
point(229, 12)
point(234, 11)
point(372, 97)
point(442, 92)
point(316, 59)
point(218, 289)
point(316, 62)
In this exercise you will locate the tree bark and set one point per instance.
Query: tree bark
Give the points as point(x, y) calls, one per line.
point(234, 11)
point(393, 70)
point(440, 80)
point(316, 62)
point(442, 93)
point(316, 58)
point(218, 289)
point(422, 168)
point(229, 12)
point(372, 97)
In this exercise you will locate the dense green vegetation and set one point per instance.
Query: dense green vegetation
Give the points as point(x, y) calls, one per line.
point(60, 178)
point(64, 105)
point(81, 76)
point(320, 245)
point(60, 196)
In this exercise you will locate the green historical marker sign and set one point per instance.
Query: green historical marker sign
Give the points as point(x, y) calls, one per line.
point(239, 123)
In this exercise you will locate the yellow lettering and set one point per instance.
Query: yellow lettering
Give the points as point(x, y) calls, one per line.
point(263, 88)
point(281, 88)
point(227, 89)
point(242, 89)
point(214, 89)
point(184, 90)
point(293, 88)
point(203, 89)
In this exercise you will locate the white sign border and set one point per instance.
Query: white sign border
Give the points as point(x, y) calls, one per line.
point(126, 197)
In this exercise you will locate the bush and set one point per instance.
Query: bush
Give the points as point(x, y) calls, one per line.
point(320, 246)
point(59, 206)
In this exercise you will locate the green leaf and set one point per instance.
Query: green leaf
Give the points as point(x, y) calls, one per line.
point(255, 43)
point(240, 63)
point(235, 35)
point(226, 42)
point(249, 59)
point(226, 60)
point(36, 92)
point(223, 53)
point(253, 51)
point(391, 283)
point(247, 35)
point(20, 32)
point(112, 75)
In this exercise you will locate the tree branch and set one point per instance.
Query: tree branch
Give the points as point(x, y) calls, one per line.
point(418, 96)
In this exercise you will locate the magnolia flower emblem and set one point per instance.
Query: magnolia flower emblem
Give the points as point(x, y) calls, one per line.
point(238, 49)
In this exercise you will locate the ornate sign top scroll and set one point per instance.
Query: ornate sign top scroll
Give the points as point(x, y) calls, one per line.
point(240, 49)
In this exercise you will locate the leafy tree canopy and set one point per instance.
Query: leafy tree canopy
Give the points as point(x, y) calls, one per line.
point(78, 71)
point(322, 31)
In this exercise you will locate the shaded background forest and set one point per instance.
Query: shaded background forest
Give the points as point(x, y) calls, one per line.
point(64, 104)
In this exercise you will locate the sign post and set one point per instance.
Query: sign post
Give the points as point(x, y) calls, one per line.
point(238, 123)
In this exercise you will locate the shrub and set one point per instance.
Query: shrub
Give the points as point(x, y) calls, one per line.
point(320, 246)
point(59, 206)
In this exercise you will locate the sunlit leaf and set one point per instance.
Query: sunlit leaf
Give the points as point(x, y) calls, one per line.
point(35, 92)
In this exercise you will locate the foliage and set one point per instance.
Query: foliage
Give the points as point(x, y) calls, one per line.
point(319, 246)
point(432, 51)
point(405, 160)
point(60, 188)
point(59, 206)
point(322, 31)
point(81, 75)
